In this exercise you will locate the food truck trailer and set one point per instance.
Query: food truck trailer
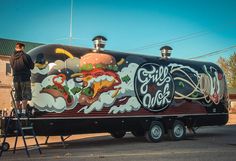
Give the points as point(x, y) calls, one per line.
point(82, 90)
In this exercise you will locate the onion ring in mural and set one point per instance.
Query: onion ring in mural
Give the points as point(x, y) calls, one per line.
point(102, 82)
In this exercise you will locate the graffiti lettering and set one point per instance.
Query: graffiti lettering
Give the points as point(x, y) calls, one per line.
point(159, 99)
point(158, 76)
point(154, 86)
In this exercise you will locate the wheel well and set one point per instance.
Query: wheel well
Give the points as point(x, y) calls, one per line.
point(167, 122)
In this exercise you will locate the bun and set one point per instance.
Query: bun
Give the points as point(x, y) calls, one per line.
point(97, 58)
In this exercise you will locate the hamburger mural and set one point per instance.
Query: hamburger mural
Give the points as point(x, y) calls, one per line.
point(98, 75)
point(92, 82)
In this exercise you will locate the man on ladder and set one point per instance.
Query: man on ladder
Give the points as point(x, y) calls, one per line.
point(21, 64)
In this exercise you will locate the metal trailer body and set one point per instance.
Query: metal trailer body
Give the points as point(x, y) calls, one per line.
point(79, 90)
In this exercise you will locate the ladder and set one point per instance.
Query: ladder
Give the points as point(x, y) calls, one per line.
point(23, 128)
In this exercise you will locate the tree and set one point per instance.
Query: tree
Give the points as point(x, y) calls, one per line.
point(229, 68)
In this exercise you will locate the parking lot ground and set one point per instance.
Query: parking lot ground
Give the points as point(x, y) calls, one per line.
point(216, 143)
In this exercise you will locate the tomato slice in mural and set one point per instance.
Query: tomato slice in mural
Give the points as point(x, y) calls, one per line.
point(98, 75)
point(58, 90)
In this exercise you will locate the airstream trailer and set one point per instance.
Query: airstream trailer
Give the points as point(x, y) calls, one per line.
point(81, 90)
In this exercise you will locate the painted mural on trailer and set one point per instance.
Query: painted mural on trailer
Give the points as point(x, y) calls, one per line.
point(96, 81)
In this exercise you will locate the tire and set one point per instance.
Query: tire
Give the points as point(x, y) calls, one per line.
point(118, 134)
point(5, 146)
point(155, 132)
point(178, 131)
point(138, 133)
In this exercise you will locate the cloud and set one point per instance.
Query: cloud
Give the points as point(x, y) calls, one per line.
point(59, 64)
point(73, 64)
point(131, 105)
point(70, 63)
point(36, 70)
point(46, 102)
point(43, 71)
point(127, 90)
point(105, 100)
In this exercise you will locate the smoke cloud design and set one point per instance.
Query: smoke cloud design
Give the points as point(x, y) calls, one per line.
point(126, 90)
point(105, 100)
point(46, 102)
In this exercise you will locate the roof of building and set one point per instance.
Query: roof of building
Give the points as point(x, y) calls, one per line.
point(7, 46)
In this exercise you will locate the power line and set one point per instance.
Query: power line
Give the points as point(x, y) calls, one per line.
point(173, 40)
point(178, 39)
point(214, 52)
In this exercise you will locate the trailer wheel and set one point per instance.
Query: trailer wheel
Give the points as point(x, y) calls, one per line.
point(138, 133)
point(118, 134)
point(155, 132)
point(5, 146)
point(178, 131)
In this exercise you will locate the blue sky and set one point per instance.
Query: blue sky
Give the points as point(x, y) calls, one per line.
point(203, 26)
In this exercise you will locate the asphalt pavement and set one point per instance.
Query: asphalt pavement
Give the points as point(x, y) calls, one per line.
point(209, 144)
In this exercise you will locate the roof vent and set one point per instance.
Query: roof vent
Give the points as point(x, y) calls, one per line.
point(99, 43)
point(166, 51)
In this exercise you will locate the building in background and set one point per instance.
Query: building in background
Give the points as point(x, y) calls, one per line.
point(232, 98)
point(7, 47)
